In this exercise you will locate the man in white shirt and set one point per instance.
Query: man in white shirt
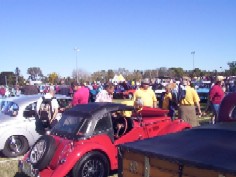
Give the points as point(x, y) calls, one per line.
point(54, 104)
point(106, 95)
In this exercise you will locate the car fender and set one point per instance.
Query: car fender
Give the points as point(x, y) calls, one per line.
point(176, 126)
point(226, 107)
point(98, 143)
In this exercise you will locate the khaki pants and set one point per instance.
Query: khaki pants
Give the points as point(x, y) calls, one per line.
point(188, 114)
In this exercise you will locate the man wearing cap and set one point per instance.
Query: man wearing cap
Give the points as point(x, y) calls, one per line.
point(146, 94)
point(216, 95)
point(187, 110)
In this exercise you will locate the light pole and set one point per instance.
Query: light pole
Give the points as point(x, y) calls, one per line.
point(221, 69)
point(193, 53)
point(76, 56)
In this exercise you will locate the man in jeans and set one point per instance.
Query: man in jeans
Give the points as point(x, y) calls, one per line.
point(216, 95)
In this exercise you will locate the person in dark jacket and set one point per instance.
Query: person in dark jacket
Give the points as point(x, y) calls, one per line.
point(216, 95)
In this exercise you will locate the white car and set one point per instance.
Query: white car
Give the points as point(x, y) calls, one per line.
point(19, 128)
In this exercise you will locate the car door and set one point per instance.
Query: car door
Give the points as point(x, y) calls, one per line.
point(30, 121)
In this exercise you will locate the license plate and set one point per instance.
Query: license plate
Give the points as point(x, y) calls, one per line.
point(27, 169)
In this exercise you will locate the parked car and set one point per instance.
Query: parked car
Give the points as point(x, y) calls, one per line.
point(85, 140)
point(19, 128)
point(159, 85)
point(203, 89)
point(203, 151)
point(124, 91)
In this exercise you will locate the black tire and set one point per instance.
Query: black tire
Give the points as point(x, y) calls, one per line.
point(93, 164)
point(15, 146)
point(44, 155)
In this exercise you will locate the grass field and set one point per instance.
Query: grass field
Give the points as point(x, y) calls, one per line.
point(9, 167)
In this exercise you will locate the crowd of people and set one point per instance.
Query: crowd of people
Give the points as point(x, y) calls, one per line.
point(180, 98)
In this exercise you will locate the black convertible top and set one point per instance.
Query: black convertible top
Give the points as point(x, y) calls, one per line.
point(91, 108)
point(211, 147)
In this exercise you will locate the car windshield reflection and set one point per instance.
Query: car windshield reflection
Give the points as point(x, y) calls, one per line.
point(72, 124)
point(9, 108)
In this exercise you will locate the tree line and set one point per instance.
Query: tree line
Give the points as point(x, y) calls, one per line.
point(35, 73)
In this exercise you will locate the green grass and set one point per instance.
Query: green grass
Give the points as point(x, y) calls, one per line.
point(8, 167)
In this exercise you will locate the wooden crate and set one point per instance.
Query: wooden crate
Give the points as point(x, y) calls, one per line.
point(175, 155)
point(138, 165)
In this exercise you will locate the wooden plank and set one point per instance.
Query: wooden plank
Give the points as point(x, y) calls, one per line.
point(190, 171)
point(157, 172)
point(164, 164)
point(133, 166)
point(133, 156)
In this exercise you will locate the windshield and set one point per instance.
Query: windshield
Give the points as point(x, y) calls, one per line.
point(72, 124)
point(9, 108)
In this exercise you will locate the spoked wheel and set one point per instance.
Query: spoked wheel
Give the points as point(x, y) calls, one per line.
point(15, 146)
point(93, 164)
point(42, 152)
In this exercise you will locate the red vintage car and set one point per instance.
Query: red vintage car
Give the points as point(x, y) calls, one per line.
point(84, 142)
point(124, 91)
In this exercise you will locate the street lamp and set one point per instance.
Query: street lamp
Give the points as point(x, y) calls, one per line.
point(76, 53)
point(193, 53)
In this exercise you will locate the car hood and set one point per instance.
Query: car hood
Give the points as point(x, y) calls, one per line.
point(203, 90)
point(6, 119)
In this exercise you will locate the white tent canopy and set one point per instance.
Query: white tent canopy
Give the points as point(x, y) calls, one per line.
point(118, 78)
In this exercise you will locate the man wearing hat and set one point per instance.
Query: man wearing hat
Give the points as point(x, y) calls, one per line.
point(216, 95)
point(187, 104)
point(146, 94)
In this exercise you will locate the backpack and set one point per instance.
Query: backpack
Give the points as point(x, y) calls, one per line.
point(181, 93)
point(45, 110)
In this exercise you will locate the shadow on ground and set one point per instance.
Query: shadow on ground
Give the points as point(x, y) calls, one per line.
point(20, 175)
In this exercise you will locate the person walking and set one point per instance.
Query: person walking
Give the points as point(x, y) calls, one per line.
point(81, 95)
point(146, 94)
point(167, 101)
point(187, 103)
point(47, 108)
point(216, 95)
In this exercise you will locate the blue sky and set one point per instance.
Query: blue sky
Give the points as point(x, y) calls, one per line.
point(112, 34)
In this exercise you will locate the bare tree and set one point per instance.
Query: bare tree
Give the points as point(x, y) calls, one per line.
point(83, 75)
point(34, 72)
